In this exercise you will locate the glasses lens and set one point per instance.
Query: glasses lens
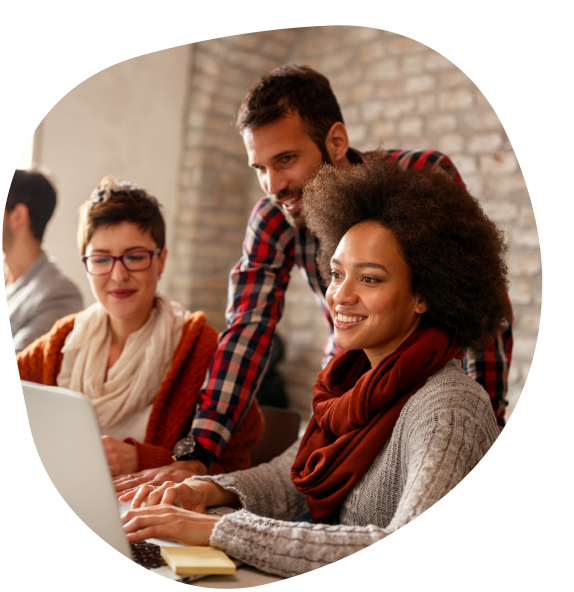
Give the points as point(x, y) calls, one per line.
point(97, 264)
point(137, 260)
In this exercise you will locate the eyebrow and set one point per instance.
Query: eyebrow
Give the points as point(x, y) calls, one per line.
point(105, 251)
point(365, 264)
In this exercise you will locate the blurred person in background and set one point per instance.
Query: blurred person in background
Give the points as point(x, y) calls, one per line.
point(38, 291)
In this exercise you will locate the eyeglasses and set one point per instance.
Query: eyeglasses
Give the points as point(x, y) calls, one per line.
point(139, 260)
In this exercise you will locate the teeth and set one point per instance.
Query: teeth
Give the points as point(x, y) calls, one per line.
point(346, 319)
point(289, 202)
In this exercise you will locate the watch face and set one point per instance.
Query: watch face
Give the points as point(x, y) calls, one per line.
point(184, 446)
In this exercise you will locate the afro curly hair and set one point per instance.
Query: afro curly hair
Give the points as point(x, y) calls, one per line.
point(455, 253)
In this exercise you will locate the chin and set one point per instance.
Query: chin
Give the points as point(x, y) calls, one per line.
point(296, 220)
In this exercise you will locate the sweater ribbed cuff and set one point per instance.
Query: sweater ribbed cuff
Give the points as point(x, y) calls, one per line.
point(150, 456)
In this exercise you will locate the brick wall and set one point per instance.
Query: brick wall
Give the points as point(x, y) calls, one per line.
point(391, 90)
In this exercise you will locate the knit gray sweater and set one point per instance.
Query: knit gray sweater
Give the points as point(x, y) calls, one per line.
point(443, 431)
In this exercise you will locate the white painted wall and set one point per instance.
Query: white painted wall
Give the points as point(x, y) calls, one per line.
point(125, 121)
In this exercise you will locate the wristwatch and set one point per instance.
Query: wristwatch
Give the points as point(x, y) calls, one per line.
point(189, 448)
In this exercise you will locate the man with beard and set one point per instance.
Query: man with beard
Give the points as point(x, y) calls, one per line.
point(291, 125)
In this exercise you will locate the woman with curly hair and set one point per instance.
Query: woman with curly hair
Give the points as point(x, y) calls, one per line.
point(415, 272)
point(140, 358)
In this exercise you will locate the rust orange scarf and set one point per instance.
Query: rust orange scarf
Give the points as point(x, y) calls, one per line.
point(355, 408)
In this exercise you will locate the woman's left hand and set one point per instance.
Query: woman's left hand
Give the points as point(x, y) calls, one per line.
point(122, 457)
point(169, 522)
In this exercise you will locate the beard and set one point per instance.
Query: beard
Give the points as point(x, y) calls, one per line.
point(296, 218)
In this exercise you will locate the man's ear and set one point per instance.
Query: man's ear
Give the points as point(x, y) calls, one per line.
point(337, 143)
point(19, 216)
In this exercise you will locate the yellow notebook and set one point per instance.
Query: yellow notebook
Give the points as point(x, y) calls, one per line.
point(186, 561)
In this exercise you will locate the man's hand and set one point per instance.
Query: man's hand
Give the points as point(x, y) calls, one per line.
point(169, 522)
point(122, 456)
point(176, 472)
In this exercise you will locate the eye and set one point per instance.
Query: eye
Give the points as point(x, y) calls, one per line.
point(286, 159)
point(135, 257)
point(100, 259)
point(334, 275)
point(370, 280)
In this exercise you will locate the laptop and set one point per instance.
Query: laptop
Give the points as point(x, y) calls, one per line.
point(58, 417)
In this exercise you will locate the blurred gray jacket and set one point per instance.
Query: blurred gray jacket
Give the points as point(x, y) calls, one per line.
point(37, 299)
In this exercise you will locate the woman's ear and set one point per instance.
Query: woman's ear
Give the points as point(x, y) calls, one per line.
point(161, 259)
point(421, 305)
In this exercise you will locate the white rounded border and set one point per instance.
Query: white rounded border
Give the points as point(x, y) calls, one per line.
point(212, 22)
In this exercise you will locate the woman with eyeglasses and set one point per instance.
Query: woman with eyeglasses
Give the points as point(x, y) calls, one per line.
point(140, 358)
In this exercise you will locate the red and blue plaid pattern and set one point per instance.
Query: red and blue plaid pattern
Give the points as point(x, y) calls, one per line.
point(255, 303)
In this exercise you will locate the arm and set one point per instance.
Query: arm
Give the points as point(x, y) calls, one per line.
point(437, 444)
point(490, 366)
point(266, 490)
point(257, 286)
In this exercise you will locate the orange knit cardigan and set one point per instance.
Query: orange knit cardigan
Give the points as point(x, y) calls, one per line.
point(174, 405)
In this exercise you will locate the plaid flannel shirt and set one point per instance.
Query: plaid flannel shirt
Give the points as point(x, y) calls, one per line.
point(257, 284)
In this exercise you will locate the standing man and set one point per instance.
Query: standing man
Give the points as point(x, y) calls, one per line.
point(291, 125)
point(38, 291)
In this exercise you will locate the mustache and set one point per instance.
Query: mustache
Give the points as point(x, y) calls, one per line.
point(288, 194)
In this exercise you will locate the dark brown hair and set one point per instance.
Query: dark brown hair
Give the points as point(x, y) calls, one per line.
point(292, 89)
point(454, 252)
point(33, 189)
point(113, 202)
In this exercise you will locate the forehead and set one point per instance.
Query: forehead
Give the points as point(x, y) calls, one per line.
point(124, 235)
point(369, 242)
point(286, 134)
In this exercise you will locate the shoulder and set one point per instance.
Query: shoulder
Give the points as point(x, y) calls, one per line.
point(52, 278)
point(61, 329)
point(53, 341)
point(424, 159)
point(452, 392)
point(195, 329)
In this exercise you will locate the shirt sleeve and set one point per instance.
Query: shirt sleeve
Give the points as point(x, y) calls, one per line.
point(256, 292)
point(488, 366)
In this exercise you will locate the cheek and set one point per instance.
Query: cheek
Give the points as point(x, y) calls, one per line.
point(329, 295)
point(97, 284)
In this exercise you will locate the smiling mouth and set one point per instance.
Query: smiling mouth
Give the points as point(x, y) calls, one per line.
point(122, 293)
point(350, 319)
point(291, 203)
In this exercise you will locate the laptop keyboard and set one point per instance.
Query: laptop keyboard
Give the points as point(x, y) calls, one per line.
point(147, 555)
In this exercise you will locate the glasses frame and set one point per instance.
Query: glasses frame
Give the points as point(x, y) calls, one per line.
point(150, 252)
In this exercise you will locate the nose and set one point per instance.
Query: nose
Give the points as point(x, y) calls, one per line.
point(274, 182)
point(345, 292)
point(119, 272)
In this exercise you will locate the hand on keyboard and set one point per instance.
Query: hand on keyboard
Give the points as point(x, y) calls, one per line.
point(182, 495)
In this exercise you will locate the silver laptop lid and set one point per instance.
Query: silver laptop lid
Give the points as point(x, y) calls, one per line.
point(67, 438)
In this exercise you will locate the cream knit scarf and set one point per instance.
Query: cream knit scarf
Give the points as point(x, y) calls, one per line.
point(134, 380)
